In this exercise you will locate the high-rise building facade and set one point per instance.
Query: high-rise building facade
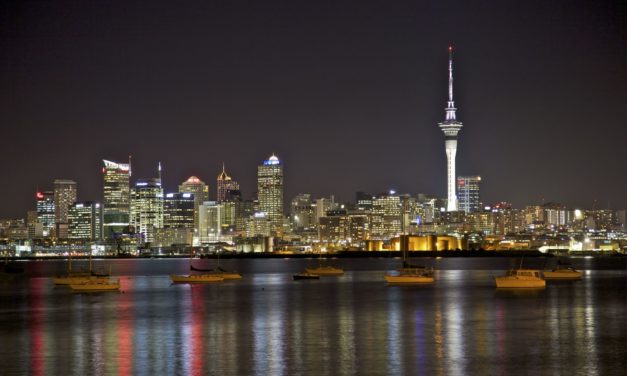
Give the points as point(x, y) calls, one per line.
point(85, 221)
point(199, 189)
point(270, 191)
point(116, 198)
point(147, 208)
point(64, 197)
point(45, 212)
point(386, 216)
point(178, 210)
point(224, 184)
point(450, 126)
point(468, 195)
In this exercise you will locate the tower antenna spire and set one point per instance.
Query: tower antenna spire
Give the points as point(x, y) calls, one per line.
point(450, 74)
point(159, 168)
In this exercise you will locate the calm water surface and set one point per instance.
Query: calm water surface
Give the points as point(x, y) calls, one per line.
point(267, 324)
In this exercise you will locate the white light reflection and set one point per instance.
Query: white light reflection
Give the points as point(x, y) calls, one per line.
point(395, 334)
point(454, 336)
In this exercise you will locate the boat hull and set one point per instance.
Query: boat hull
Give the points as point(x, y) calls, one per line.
point(200, 278)
point(95, 287)
point(571, 275)
point(325, 271)
point(305, 275)
point(515, 283)
point(408, 279)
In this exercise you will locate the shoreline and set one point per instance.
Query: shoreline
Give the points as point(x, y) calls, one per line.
point(342, 254)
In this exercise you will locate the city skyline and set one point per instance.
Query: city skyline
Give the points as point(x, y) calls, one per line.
point(233, 84)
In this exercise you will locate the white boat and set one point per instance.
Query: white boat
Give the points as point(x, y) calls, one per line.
point(411, 275)
point(521, 278)
point(96, 285)
point(325, 271)
point(562, 272)
point(195, 278)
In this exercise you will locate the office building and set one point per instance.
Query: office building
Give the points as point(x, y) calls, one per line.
point(147, 208)
point(45, 212)
point(116, 198)
point(468, 196)
point(85, 221)
point(270, 191)
point(224, 184)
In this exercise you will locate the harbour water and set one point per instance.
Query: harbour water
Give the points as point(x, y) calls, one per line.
point(268, 324)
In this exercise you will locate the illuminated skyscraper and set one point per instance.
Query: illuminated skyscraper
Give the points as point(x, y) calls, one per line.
point(147, 208)
point(85, 221)
point(45, 211)
point(468, 193)
point(224, 184)
point(116, 187)
point(199, 189)
point(178, 210)
point(64, 197)
point(270, 191)
point(450, 126)
point(116, 198)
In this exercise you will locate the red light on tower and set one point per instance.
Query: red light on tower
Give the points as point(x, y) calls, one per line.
point(40, 196)
point(450, 48)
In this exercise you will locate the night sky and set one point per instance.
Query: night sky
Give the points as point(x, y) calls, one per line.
point(347, 93)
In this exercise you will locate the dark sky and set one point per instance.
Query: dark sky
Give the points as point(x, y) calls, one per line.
point(347, 93)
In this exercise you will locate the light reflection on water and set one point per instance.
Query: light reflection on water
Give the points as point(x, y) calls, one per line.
point(267, 324)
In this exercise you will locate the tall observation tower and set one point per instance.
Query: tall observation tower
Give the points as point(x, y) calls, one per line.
point(450, 126)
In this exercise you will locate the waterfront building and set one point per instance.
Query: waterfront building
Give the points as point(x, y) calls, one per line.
point(116, 198)
point(209, 221)
point(450, 126)
point(386, 216)
point(270, 191)
point(45, 212)
point(178, 210)
point(468, 193)
point(199, 189)
point(178, 220)
point(147, 208)
point(302, 213)
point(64, 197)
point(323, 205)
point(85, 221)
point(224, 183)
point(259, 225)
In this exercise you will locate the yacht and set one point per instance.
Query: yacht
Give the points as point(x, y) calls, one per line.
point(562, 272)
point(96, 285)
point(325, 271)
point(411, 275)
point(305, 275)
point(521, 278)
point(78, 278)
point(196, 278)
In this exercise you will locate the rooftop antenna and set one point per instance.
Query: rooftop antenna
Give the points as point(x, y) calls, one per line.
point(129, 165)
point(159, 168)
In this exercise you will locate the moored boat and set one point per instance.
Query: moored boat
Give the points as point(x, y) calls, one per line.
point(195, 278)
point(562, 272)
point(96, 285)
point(79, 278)
point(305, 275)
point(325, 271)
point(411, 275)
point(521, 278)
